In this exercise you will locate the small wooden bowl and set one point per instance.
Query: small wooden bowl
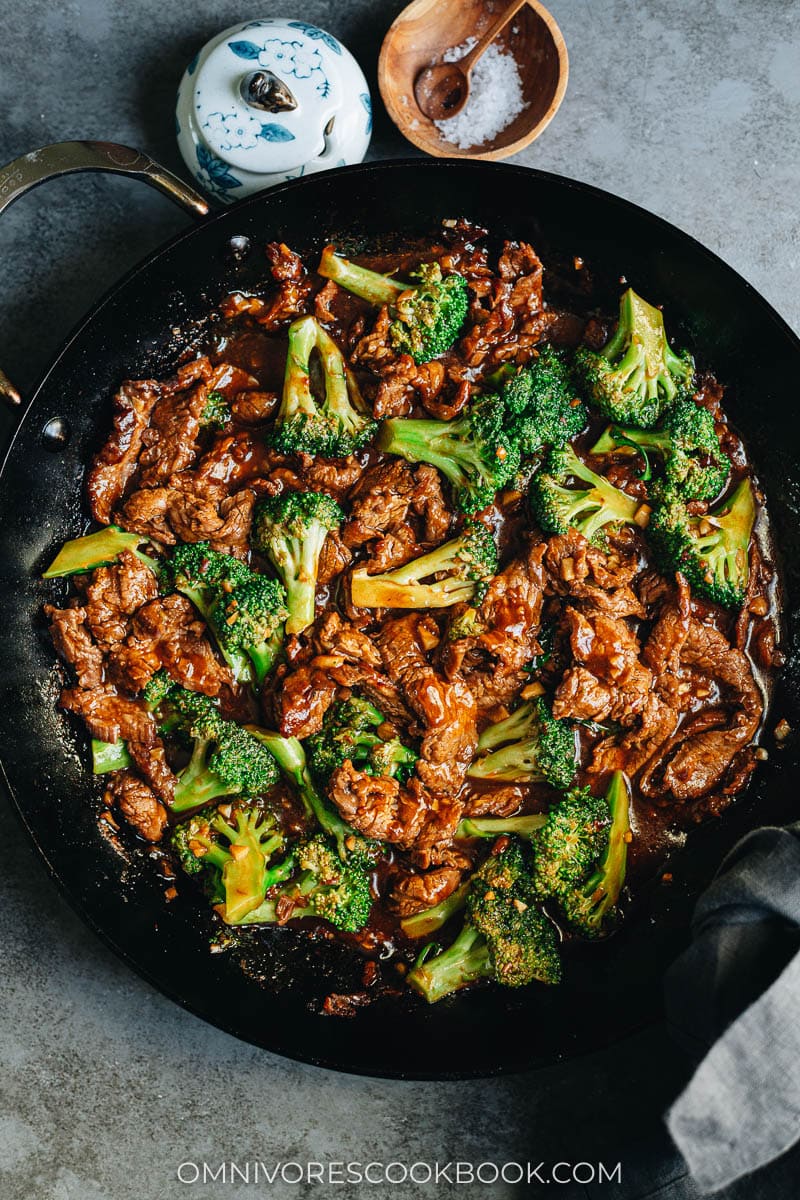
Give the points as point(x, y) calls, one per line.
point(422, 33)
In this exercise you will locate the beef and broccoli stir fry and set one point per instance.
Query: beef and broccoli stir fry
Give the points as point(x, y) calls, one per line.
point(420, 611)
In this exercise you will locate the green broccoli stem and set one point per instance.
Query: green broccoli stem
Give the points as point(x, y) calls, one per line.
point(360, 281)
point(342, 393)
point(297, 560)
point(621, 440)
point(464, 962)
point(290, 757)
point(494, 827)
point(513, 763)
point(100, 549)
point(443, 444)
point(297, 377)
point(263, 656)
point(197, 784)
point(522, 723)
point(640, 322)
point(604, 886)
point(109, 756)
point(424, 923)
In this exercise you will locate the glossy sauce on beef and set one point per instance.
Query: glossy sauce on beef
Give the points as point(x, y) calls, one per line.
point(233, 467)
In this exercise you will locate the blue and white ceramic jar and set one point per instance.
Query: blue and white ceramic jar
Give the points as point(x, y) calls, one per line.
point(268, 101)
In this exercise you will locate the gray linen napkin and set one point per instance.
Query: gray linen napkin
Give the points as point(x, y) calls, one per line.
point(737, 989)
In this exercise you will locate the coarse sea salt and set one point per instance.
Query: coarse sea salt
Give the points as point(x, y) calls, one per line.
point(495, 97)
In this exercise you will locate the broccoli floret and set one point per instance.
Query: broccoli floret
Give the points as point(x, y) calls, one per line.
point(226, 760)
point(712, 551)
point(202, 575)
point(157, 689)
point(476, 452)
point(350, 733)
point(459, 570)
point(494, 827)
point(290, 529)
point(589, 905)
point(324, 887)
point(100, 549)
point(249, 620)
point(231, 847)
point(569, 843)
point(427, 314)
point(217, 412)
point(589, 510)
point(505, 936)
point(290, 756)
point(334, 425)
point(542, 400)
point(244, 611)
point(636, 376)
point(686, 441)
point(530, 746)
point(198, 572)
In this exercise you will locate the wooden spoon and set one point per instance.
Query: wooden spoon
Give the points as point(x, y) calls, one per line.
point(442, 91)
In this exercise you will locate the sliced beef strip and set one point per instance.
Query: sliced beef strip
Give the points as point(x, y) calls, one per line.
point(410, 817)
point(137, 803)
point(387, 495)
point(334, 636)
point(191, 509)
point(631, 752)
point(113, 467)
point(433, 847)
point(377, 806)
point(72, 639)
point(342, 658)
point(171, 440)
point(660, 713)
point(493, 802)
point(583, 573)
point(333, 560)
point(413, 892)
point(130, 665)
point(251, 408)
point(151, 763)
point(495, 692)
point(304, 472)
point(405, 383)
point(506, 623)
point(170, 628)
point(696, 760)
point(109, 716)
point(147, 512)
point(395, 549)
point(113, 595)
point(446, 708)
point(301, 700)
point(374, 349)
point(287, 301)
point(609, 681)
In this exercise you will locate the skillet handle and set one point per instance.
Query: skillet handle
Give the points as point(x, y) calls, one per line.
point(64, 158)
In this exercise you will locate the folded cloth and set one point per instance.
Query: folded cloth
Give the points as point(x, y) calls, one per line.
point(737, 989)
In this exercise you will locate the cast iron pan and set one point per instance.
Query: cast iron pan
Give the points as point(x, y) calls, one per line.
point(610, 989)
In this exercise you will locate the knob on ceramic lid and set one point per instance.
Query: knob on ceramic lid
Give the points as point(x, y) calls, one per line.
point(264, 95)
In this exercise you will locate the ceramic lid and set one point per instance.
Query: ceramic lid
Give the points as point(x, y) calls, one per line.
point(265, 92)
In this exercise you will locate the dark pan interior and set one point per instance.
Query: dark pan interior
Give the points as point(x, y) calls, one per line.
point(609, 989)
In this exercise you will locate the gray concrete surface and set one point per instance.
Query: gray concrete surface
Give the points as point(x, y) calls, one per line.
point(691, 109)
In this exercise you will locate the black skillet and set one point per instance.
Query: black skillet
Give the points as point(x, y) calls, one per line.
point(610, 989)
